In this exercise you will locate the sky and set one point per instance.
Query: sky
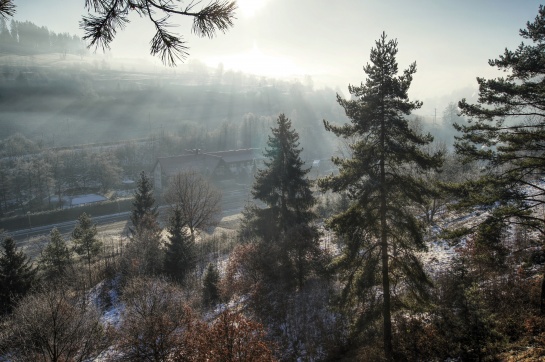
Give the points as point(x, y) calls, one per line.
point(451, 41)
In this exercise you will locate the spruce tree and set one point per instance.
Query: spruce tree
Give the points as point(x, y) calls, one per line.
point(380, 231)
point(282, 185)
point(210, 291)
point(180, 256)
point(285, 227)
point(86, 243)
point(16, 275)
point(505, 134)
point(144, 202)
point(56, 257)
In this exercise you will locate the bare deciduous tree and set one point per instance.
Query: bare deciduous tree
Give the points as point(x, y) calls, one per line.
point(198, 200)
point(53, 325)
point(233, 337)
point(155, 322)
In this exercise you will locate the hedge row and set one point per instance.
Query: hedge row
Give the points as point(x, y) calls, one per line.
point(52, 217)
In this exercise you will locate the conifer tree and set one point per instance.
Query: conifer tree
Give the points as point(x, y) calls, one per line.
point(56, 257)
point(506, 133)
point(381, 233)
point(86, 243)
point(16, 275)
point(282, 184)
point(144, 202)
point(289, 239)
point(144, 254)
point(210, 290)
point(180, 256)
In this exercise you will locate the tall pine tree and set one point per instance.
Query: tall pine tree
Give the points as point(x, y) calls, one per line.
point(16, 275)
point(506, 134)
point(380, 230)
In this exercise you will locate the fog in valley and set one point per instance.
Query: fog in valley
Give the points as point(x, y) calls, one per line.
point(288, 181)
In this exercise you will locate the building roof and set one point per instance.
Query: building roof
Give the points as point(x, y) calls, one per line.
point(204, 163)
point(247, 154)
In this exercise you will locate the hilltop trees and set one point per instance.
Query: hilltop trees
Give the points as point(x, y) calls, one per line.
point(380, 232)
point(506, 135)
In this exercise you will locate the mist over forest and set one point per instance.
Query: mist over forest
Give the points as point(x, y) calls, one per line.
point(191, 212)
point(68, 99)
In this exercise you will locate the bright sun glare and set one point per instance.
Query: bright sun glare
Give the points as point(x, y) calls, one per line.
point(256, 62)
point(248, 8)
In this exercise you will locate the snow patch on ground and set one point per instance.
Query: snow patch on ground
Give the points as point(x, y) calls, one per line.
point(105, 297)
point(440, 251)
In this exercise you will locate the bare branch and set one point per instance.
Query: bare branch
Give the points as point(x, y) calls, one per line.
point(198, 200)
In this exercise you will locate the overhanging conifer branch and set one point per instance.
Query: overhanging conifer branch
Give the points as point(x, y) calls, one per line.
point(7, 8)
point(112, 15)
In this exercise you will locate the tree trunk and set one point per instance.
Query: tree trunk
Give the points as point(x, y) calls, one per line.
point(542, 301)
point(89, 267)
point(386, 288)
point(387, 333)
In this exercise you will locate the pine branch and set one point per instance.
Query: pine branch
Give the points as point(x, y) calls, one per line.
point(101, 30)
point(7, 8)
point(112, 15)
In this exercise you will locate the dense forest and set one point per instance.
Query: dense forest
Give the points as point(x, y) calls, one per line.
point(419, 243)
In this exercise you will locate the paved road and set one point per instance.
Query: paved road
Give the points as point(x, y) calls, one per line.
point(233, 202)
point(66, 227)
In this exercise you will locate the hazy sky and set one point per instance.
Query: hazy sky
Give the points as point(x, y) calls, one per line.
point(451, 41)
